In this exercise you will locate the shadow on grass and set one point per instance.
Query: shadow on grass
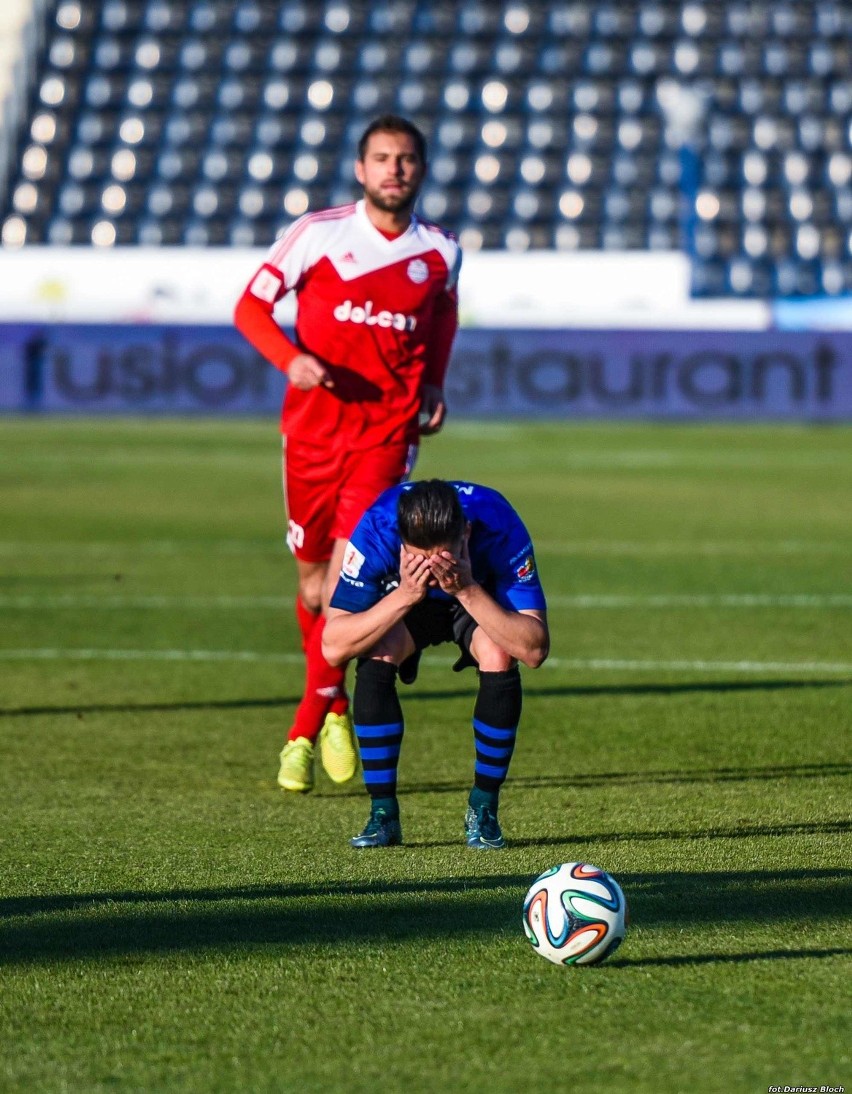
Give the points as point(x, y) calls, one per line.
point(744, 831)
point(533, 690)
point(416, 695)
point(723, 958)
point(624, 778)
point(694, 686)
point(142, 708)
point(97, 925)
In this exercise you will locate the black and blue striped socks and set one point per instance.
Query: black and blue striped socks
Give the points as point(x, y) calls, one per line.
point(495, 725)
point(379, 728)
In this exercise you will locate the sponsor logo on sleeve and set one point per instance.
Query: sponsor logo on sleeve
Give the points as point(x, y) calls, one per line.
point(353, 560)
point(526, 570)
point(265, 285)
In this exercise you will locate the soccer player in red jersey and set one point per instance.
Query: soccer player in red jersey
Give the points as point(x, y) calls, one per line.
point(377, 311)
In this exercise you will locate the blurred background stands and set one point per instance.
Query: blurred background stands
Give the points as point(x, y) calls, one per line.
point(722, 129)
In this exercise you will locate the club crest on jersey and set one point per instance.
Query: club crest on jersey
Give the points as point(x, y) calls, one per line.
point(418, 271)
point(347, 312)
point(353, 560)
point(526, 570)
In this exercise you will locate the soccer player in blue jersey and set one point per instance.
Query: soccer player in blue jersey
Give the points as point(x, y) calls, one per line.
point(433, 562)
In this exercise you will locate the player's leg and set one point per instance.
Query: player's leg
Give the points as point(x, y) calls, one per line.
point(496, 715)
point(361, 477)
point(296, 762)
point(380, 726)
point(411, 665)
point(311, 578)
point(338, 751)
point(309, 481)
point(379, 721)
point(309, 599)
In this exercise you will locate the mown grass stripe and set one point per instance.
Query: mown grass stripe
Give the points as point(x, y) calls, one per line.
point(614, 548)
point(705, 600)
point(579, 601)
point(580, 664)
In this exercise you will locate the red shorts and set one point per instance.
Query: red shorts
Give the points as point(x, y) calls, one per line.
point(327, 493)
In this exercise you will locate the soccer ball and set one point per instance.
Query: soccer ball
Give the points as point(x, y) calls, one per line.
point(575, 914)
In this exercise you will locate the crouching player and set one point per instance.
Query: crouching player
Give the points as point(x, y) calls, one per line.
point(433, 562)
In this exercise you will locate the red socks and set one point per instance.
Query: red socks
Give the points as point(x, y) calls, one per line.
point(325, 686)
point(306, 620)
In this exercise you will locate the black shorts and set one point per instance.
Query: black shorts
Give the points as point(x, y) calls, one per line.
point(433, 622)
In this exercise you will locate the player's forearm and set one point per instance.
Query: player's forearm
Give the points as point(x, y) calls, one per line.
point(524, 637)
point(254, 320)
point(351, 634)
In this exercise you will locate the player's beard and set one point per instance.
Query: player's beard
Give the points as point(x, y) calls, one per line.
point(399, 202)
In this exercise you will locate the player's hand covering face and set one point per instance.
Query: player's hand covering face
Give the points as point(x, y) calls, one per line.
point(451, 569)
point(447, 568)
point(415, 576)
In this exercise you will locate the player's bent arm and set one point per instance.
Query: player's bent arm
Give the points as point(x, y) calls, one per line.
point(254, 320)
point(524, 634)
point(351, 634)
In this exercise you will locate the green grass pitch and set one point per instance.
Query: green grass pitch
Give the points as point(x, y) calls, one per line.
point(171, 921)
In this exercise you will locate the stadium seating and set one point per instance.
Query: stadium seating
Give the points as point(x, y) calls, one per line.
point(718, 128)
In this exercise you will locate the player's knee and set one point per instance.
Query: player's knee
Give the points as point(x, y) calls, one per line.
point(393, 647)
point(390, 650)
point(334, 654)
point(375, 658)
point(491, 658)
point(310, 592)
point(500, 663)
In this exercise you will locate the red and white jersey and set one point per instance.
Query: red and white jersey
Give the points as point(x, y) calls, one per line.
point(379, 313)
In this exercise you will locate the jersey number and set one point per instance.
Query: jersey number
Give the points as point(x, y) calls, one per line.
point(295, 535)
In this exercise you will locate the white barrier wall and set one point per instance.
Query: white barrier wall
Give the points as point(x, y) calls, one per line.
point(537, 289)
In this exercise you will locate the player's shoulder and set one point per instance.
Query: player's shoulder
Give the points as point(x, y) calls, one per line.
point(323, 216)
point(465, 488)
point(483, 501)
point(442, 239)
point(381, 516)
point(319, 222)
point(431, 226)
point(387, 498)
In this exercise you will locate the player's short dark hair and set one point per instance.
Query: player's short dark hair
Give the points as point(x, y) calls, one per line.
point(430, 514)
point(392, 123)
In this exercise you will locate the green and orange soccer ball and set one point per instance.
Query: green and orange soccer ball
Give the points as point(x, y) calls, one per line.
point(575, 914)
